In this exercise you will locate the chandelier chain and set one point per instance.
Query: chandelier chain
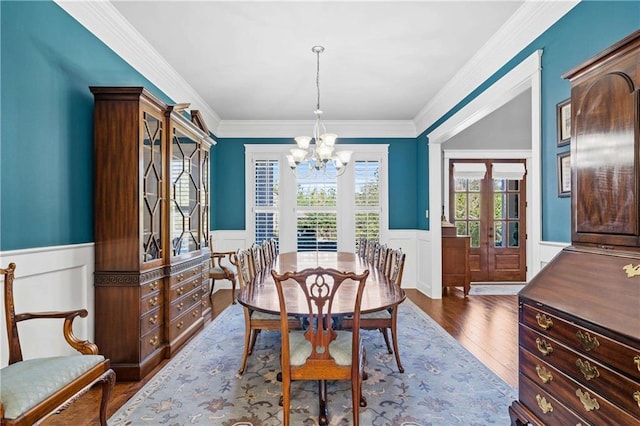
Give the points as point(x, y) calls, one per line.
point(318, 77)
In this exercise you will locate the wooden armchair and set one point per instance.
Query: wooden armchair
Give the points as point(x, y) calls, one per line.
point(223, 267)
point(320, 352)
point(31, 390)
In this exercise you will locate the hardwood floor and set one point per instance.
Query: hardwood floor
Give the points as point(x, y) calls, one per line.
point(487, 326)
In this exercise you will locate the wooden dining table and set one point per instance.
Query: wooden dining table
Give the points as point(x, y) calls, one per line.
point(379, 293)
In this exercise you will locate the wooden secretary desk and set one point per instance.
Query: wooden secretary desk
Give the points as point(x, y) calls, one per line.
point(579, 318)
point(151, 228)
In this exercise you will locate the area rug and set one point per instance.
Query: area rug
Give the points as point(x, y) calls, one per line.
point(495, 289)
point(443, 383)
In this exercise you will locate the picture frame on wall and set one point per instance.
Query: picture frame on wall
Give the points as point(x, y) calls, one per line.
point(563, 118)
point(564, 174)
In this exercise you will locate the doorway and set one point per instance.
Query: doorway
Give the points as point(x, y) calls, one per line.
point(488, 203)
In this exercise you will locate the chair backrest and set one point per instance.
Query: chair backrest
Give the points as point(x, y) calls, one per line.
point(15, 351)
point(361, 250)
point(244, 267)
point(257, 262)
point(372, 248)
point(382, 257)
point(319, 286)
point(396, 268)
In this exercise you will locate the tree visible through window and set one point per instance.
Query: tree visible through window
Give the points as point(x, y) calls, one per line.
point(367, 192)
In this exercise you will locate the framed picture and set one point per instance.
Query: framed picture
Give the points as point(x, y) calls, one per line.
point(564, 174)
point(563, 117)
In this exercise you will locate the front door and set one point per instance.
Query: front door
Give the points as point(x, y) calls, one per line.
point(492, 212)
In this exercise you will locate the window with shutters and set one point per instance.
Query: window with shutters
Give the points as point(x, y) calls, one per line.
point(367, 198)
point(316, 212)
point(266, 199)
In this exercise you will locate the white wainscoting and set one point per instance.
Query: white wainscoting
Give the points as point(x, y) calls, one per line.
point(61, 278)
point(50, 279)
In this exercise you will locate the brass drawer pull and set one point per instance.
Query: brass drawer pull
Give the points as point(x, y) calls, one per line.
point(589, 403)
point(180, 277)
point(636, 397)
point(545, 406)
point(588, 342)
point(544, 347)
point(153, 286)
point(180, 291)
point(153, 301)
point(154, 341)
point(636, 361)
point(195, 297)
point(589, 371)
point(179, 325)
point(195, 271)
point(180, 306)
point(153, 319)
point(544, 374)
point(544, 321)
point(195, 313)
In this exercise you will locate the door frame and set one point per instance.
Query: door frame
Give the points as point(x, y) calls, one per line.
point(488, 154)
point(524, 76)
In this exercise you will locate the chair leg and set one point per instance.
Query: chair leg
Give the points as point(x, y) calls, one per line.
point(233, 289)
point(247, 343)
point(254, 337)
point(394, 336)
point(108, 380)
point(286, 401)
point(385, 334)
point(211, 287)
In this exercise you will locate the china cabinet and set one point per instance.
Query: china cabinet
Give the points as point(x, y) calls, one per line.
point(151, 228)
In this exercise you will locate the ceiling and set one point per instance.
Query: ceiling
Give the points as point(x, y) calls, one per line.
point(252, 60)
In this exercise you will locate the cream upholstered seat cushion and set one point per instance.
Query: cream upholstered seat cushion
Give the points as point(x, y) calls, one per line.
point(26, 383)
point(257, 315)
point(300, 348)
point(383, 314)
point(224, 263)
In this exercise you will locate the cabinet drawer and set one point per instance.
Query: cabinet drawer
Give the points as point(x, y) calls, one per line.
point(182, 323)
point(582, 399)
point(185, 303)
point(183, 287)
point(185, 275)
point(617, 388)
point(150, 302)
point(151, 320)
point(150, 287)
point(548, 409)
point(205, 302)
point(150, 342)
point(604, 349)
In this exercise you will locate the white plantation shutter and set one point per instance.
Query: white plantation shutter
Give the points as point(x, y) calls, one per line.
point(367, 199)
point(266, 200)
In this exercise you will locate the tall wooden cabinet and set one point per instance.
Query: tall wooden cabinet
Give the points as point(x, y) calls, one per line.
point(151, 228)
point(579, 319)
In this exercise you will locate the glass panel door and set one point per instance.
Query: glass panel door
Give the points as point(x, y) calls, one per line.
point(152, 187)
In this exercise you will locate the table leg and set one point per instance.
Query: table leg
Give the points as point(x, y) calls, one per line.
point(323, 412)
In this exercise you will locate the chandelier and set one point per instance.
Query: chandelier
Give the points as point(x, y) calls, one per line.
point(318, 150)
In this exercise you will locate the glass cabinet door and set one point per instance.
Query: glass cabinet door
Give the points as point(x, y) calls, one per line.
point(151, 211)
point(185, 197)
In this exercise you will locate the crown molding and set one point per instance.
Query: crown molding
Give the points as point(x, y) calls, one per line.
point(105, 22)
point(527, 23)
point(293, 128)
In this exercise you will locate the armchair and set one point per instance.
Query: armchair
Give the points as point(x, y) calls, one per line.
point(34, 389)
point(223, 267)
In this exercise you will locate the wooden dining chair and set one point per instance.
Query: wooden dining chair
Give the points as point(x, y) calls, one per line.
point(223, 266)
point(35, 388)
point(386, 319)
point(254, 321)
point(320, 352)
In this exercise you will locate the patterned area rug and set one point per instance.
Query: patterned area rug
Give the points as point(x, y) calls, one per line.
point(443, 384)
point(495, 289)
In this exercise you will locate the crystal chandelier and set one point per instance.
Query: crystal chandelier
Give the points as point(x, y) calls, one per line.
point(319, 153)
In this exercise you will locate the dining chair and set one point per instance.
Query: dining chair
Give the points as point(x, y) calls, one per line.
point(371, 250)
point(320, 352)
point(361, 249)
point(387, 318)
point(223, 266)
point(257, 261)
point(254, 321)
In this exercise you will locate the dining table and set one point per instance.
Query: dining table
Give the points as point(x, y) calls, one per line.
point(379, 293)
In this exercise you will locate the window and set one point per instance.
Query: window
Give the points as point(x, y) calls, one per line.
point(326, 213)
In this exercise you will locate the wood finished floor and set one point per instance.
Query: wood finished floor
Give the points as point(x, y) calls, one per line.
point(487, 326)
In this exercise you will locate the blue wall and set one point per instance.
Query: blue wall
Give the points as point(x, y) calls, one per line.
point(586, 30)
point(48, 61)
point(228, 171)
